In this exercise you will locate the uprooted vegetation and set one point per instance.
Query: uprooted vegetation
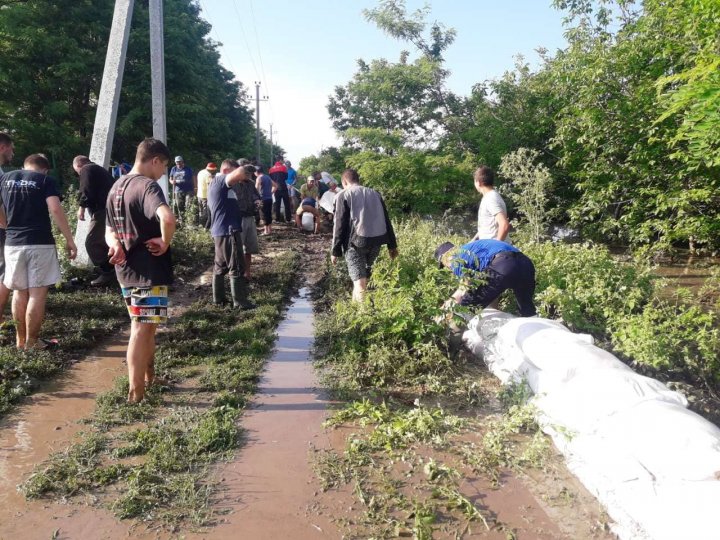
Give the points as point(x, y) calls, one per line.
point(152, 461)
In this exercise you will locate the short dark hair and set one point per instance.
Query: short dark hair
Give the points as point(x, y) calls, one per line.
point(484, 176)
point(249, 170)
point(259, 169)
point(441, 250)
point(5, 138)
point(351, 175)
point(37, 160)
point(152, 148)
point(243, 161)
point(229, 164)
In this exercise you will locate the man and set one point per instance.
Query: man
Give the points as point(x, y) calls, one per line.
point(327, 201)
point(227, 235)
point(182, 178)
point(7, 151)
point(499, 265)
point(362, 226)
point(492, 212)
point(139, 231)
point(279, 175)
point(264, 186)
point(203, 181)
point(95, 184)
point(248, 200)
point(309, 197)
point(292, 187)
point(29, 198)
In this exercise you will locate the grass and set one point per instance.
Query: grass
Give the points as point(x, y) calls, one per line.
point(163, 449)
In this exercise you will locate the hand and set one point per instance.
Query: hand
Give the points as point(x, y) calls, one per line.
point(393, 253)
point(116, 253)
point(156, 246)
point(334, 260)
point(81, 214)
point(71, 249)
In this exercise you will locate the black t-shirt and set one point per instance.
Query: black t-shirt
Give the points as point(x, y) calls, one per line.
point(131, 213)
point(95, 184)
point(24, 195)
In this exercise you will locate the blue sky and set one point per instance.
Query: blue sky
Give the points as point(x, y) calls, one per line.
point(301, 50)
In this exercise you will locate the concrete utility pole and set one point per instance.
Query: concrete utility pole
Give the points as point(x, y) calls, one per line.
point(157, 71)
point(271, 147)
point(257, 120)
point(107, 108)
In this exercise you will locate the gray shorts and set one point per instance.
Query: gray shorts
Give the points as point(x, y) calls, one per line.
point(28, 267)
point(249, 236)
point(360, 261)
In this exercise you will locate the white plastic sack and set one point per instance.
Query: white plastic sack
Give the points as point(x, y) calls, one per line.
point(82, 260)
point(327, 202)
point(308, 222)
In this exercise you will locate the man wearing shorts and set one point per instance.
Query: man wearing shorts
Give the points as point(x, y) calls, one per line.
point(227, 234)
point(362, 226)
point(139, 231)
point(7, 151)
point(248, 200)
point(30, 197)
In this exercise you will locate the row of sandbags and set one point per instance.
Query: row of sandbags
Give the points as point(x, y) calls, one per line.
point(633, 443)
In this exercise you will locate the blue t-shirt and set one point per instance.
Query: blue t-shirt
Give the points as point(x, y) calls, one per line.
point(477, 255)
point(292, 177)
point(224, 209)
point(265, 187)
point(308, 201)
point(183, 179)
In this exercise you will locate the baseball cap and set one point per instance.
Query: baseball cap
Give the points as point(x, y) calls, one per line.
point(179, 158)
point(441, 250)
point(210, 167)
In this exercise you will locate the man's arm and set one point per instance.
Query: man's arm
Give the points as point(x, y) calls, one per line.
point(58, 216)
point(116, 251)
point(234, 177)
point(341, 228)
point(158, 246)
point(503, 226)
point(392, 240)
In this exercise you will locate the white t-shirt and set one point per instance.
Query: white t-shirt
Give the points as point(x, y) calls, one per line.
point(490, 205)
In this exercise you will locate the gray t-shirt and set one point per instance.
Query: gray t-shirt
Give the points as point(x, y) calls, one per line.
point(491, 205)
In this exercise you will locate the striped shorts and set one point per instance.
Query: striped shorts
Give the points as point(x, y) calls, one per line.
point(147, 304)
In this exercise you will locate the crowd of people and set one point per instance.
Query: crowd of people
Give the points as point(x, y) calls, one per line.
point(132, 225)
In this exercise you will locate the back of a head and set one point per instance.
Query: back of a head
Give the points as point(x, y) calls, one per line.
point(37, 162)
point(260, 169)
point(484, 176)
point(5, 139)
point(80, 161)
point(287, 163)
point(351, 175)
point(150, 149)
point(242, 162)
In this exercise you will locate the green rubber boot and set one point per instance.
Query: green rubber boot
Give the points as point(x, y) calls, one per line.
point(239, 291)
point(218, 289)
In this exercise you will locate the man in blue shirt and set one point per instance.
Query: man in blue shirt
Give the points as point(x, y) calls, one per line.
point(226, 230)
point(500, 266)
point(181, 177)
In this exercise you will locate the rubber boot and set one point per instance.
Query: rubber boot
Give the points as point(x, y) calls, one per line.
point(239, 291)
point(218, 289)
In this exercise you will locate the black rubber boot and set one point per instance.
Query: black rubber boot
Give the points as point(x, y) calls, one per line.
point(218, 289)
point(239, 292)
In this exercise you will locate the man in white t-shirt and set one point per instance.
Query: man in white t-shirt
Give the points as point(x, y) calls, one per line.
point(492, 214)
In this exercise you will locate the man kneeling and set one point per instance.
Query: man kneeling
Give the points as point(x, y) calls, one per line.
point(499, 265)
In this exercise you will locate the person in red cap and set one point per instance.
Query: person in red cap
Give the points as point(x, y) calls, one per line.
point(204, 178)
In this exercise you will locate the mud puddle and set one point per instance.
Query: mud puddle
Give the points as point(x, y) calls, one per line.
point(267, 489)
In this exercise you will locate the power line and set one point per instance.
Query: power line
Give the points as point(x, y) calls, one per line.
point(247, 44)
point(262, 66)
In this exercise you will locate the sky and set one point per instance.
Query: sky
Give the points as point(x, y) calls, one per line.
point(300, 50)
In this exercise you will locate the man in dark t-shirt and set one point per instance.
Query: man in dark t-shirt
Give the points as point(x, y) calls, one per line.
point(95, 184)
point(140, 228)
point(226, 230)
point(29, 198)
point(181, 177)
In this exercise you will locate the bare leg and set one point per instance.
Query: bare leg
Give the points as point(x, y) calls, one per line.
point(140, 353)
point(4, 296)
point(248, 260)
point(359, 289)
point(19, 310)
point(298, 221)
point(35, 314)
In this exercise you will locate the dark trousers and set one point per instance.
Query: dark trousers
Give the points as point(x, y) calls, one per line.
point(267, 211)
point(229, 255)
point(508, 270)
point(203, 213)
point(283, 196)
point(95, 244)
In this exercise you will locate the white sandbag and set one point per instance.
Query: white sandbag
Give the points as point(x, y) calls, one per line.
point(327, 201)
point(670, 441)
point(308, 222)
point(595, 394)
point(82, 260)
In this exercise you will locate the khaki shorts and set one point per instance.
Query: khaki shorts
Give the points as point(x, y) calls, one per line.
point(249, 236)
point(27, 267)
